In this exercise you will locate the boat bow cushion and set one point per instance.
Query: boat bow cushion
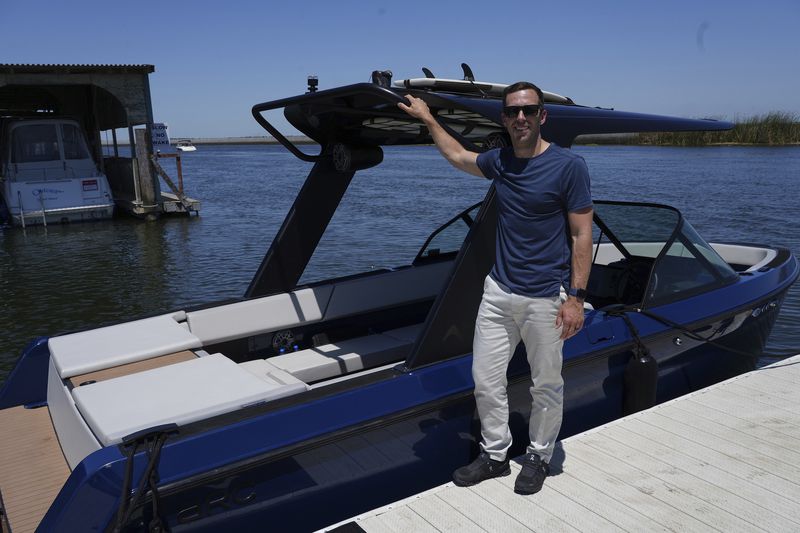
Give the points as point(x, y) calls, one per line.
point(180, 393)
point(96, 349)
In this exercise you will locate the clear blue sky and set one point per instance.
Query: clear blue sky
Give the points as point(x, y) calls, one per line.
point(214, 60)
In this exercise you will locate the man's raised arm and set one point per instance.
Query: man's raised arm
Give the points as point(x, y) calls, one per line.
point(451, 149)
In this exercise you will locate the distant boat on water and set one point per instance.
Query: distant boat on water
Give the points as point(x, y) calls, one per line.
point(185, 145)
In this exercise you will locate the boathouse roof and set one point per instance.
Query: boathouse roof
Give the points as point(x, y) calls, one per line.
point(101, 96)
point(18, 68)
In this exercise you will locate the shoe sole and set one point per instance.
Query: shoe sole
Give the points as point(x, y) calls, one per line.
point(504, 473)
point(526, 492)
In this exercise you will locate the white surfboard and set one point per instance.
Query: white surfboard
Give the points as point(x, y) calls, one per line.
point(470, 87)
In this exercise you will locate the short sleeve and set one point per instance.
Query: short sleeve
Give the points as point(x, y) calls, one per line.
point(577, 187)
point(488, 162)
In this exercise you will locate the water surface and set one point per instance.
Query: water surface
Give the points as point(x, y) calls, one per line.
point(65, 278)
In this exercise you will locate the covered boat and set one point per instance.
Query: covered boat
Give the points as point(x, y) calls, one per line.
point(47, 173)
point(301, 405)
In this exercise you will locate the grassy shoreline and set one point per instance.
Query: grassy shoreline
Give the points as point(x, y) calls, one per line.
point(771, 129)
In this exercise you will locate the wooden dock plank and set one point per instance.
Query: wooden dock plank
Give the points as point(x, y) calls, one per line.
point(480, 511)
point(615, 510)
point(692, 514)
point(561, 506)
point(737, 480)
point(786, 369)
point(531, 513)
point(727, 408)
point(660, 515)
point(779, 398)
point(442, 516)
point(751, 426)
point(735, 444)
point(726, 458)
point(752, 516)
point(403, 520)
point(691, 413)
point(761, 477)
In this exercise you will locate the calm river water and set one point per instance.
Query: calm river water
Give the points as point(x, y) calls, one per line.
point(65, 278)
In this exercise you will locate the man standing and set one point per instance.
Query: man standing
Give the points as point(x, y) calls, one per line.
point(543, 246)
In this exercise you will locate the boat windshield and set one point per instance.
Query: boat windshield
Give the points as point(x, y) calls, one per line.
point(35, 143)
point(673, 260)
point(645, 254)
point(74, 142)
point(446, 241)
point(38, 143)
point(689, 266)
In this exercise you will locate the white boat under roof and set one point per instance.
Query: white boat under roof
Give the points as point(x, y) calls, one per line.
point(48, 174)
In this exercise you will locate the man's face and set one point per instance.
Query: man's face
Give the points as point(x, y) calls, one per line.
point(524, 129)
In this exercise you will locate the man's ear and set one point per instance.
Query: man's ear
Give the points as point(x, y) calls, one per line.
point(543, 117)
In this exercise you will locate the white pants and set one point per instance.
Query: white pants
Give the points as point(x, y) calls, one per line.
point(503, 320)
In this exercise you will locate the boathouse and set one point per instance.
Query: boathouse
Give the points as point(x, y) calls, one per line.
point(109, 101)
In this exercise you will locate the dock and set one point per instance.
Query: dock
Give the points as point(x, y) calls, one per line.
point(725, 458)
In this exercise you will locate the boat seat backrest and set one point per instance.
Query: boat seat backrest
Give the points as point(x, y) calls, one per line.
point(259, 315)
point(386, 290)
point(325, 302)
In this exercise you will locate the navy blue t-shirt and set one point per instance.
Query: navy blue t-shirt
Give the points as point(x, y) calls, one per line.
point(532, 250)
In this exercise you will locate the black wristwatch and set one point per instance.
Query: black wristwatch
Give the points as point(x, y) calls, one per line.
point(580, 294)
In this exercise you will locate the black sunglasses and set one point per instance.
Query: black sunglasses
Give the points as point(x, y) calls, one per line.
point(512, 111)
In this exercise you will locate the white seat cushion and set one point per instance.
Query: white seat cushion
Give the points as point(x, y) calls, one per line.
point(181, 393)
point(96, 349)
point(329, 360)
point(270, 373)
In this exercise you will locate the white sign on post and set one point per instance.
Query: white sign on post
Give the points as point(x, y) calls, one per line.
point(160, 138)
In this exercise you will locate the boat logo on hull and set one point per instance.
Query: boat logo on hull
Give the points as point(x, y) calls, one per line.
point(42, 192)
point(758, 311)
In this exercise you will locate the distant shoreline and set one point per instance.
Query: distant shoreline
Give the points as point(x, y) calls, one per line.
point(296, 139)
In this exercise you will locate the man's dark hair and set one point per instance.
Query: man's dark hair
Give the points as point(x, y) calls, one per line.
point(521, 86)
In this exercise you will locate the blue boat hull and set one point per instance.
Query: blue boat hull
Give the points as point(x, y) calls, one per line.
point(312, 465)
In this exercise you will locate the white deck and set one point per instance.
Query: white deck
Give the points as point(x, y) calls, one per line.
point(726, 458)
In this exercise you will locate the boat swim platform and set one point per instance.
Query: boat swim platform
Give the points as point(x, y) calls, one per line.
point(725, 458)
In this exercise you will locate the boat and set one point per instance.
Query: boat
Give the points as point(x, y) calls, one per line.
point(48, 174)
point(185, 145)
point(299, 405)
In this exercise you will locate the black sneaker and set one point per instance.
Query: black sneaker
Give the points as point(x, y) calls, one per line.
point(480, 469)
point(531, 478)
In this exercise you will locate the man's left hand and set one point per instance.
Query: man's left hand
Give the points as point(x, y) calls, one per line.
point(570, 318)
